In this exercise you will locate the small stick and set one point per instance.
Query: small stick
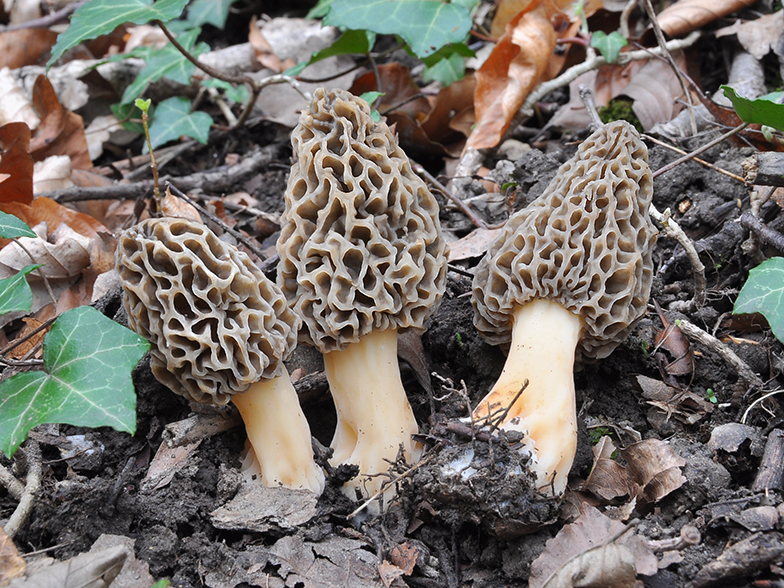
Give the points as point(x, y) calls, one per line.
point(586, 96)
point(32, 454)
point(495, 424)
point(15, 487)
point(45, 325)
point(763, 231)
point(702, 149)
point(697, 159)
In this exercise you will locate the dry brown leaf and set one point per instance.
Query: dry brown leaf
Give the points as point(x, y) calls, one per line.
point(61, 131)
point(388, 573)
point(262, 49)
point(30, 324)
point(404, 556)
point(25, 47)
point(686, 16)
point(655, 467)
point(759, 36)
point(515, 67)
point(581, 551)
point(178, 208)
point(400, 91)
point(608, 479)
point(11, 564)
point(672, 339)
point(656, 91)
point(450, 103)
point(17, 163)
point(508, 9)
point(474, 244)
point(683, 405)
point(66, 255)
point(102, 253)
point(46, 210)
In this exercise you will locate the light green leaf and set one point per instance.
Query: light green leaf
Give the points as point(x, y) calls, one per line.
point(214, 12)
point(350, 42)
point(15, 293)
point(426, 25)
point(608, 45)
point(173, 119)
point(167, 62)
point(763, 110)
point(763, 292)
point(101, 17)
point(11, 227)
point(88, 360)
point(321, 9)
point(237, 94)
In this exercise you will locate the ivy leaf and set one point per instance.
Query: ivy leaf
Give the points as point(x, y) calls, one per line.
point(763, 110)
point(237, 94)
point(167, 62)
point(426, 25)
point(763, 292)
point(15, 292)
point(101, 17)
point(447, 65)
point(88, 360)
point(11, 227)
point(608, 45)
point(173, 119)
point(214, 12)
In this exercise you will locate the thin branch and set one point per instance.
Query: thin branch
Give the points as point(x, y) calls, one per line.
point(763, 231)
point(702, 149)
point(15, 487)
point(45, 22)
point(32, 453)
point(729, 174)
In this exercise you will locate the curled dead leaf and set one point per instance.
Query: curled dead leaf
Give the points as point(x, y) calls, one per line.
point(686, 16)
point(608, 479)
point(16, 162)
point(655, 467)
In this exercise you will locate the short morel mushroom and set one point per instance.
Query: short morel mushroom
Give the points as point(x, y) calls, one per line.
point(564, 282)
point(361, 257)
point(220, 331)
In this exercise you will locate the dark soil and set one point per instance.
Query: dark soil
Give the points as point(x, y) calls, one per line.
point(446, 531)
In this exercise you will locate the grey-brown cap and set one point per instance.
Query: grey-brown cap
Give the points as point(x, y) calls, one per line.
point(215, 322)
point(585, 243)
point(360, 246)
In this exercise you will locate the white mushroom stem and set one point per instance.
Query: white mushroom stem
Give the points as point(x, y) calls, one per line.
point(544, 340)
point(374, 416)
point(279, 434)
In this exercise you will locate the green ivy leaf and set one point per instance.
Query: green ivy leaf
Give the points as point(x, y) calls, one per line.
point(237, 94)
point(167, 62)
point(11, 227)
point(321, 9)
point(608, 45)
point(88, 360)
point(15, 293)
point(214, 12)
point(763, 292)
point(447, 65)
point(101, 17)
point(426, 25)
point(173, 119)
point(763, 110)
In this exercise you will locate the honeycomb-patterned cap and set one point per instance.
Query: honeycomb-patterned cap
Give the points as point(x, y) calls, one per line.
point(215, 322)
point(586, 243)
point(360, 245)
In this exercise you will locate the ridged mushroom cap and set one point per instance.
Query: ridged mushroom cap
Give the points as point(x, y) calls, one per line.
point(360, 246)
point(586, 243)
point(215, 322)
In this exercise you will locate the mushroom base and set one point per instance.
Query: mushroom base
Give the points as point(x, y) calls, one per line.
point(544, 339)
point(374, 416)
point(279, 435)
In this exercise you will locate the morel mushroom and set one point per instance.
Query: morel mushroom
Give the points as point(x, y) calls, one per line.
point(220, 331)
point(361, 257)
point(564, 282)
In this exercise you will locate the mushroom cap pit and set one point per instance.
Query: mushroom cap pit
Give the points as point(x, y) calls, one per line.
point(215, 322)
point(360, 246)
point(585, 243)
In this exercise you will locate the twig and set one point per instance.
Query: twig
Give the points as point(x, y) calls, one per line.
point(743, 370)
point(763, 231)
point(32, 452)
point(45, 22)
point(45, 325)
point(626, 14)
point(496, 423)
point(389, 484)
point(236, 234)
point(729, 174)
point(673, 229)
point(15, 487)
point(696, 152)
point(596, 62)
point(755, 403)
point(586, 97)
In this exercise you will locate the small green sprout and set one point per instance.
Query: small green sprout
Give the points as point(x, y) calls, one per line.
point(597, 433)
point(711, 396)
point(459, 339)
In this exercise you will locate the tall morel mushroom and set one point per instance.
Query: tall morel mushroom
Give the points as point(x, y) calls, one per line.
point(220, 331)
point(361, 257)
point(564, 282)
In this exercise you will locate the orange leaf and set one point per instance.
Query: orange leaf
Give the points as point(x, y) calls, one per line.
point(515, 67)
point(686, 16)
point(61, 131)
point(17, 163)
point(53, 214)
point(25, 47)
point(399, 90)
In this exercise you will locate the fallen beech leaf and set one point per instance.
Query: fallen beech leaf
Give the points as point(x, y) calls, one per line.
point(515, 67)
point(11, 564)
point(25, 47)
point(474, 244)
point(264, 53)
point(16, 162)
point(655, 467)
point(686, 16)
point(404, 556)
point(581, 556)
point(673, 340)
point(14, 105)
point(18, 352)
point(167, 462)
point(178, 208)
point(683, 405)
point(61, 131)
point(95, 569)
point(102, 252)
point(53, 173)
point(388, 573)
point(759, 36)
point(608, 479)
point(450, 103)
point(508, 9)
point(65, 256)
point(46, 210)
point(400, 91)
